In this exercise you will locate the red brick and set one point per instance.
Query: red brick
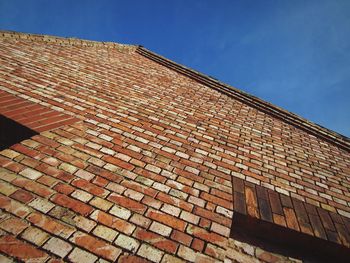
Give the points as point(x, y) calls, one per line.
point(118, 162)
point(212, 216)
point(89, 187)
point(34, 187)
point(206, 235)
point(139, 188)
point(13, 225)
point(127, 203)
point(174, 201)
point(100, 181)
point(167, 220)
point(217, 200)
point(181, 237)
point(22, 196)
point(64, 188)
point(113, 222)
point(197, 245)
point(73, 204)
point(104, 173)
point(96, 246)
point(13, 207)
point(131, 259)
point(156, 240)
point(20, 250)
point(25, 150)
point(50, 225)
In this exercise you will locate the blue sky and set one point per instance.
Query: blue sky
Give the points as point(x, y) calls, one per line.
point(294, 54)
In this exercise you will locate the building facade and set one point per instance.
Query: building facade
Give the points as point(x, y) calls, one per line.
point(113, 153)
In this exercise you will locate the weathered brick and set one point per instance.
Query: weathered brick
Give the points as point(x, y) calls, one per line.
point(82, 196)
point(96, 246)
point(78, 256)
point(101, 203)
point(20, 250)
point(113, 222)
point(13, 207)
point(42, 205)
point(160, 229)
point(156, 240)
point(150, 253)
point(50, 225)
point(127, 203)
point(167, 220)
point(22, 196)
point(105, 233)
point(6, 188)
point(13, 225)
point(127, 243)
point(70, 203)
point(35, 235)
point(181, 237)
point(58, 247)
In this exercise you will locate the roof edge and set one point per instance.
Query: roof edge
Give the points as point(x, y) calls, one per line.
point(312, 128)
point(65, 41)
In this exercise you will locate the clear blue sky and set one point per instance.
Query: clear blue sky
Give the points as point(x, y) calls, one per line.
point(294, 54)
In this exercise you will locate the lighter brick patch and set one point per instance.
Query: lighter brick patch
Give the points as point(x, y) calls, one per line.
point(65, 141)
point(170, 209)
point(42, 205)
point(84, 223)
point(82, 195)
point(101, 203)
point(80, 256)
point(107, 151)
point(224, 211)
point(105, 137)
point(30, 173)
point(192, 170)
point(9, 153)
point(105, 233)
point(220, 229)
point(161, 229)
point(7, 189)
point(58, 247)
point(150, 253)
point(153, 168)
point(35, 236)
point(120, 212)
point(133, 194)
point(68, 168)
point(94, 145)
point(169, 150)
point(161, 187)
point(4, 259)
point(196, 201)
point(182, 155)
point(128, 243)
point(187, 254)
point(189, 217)
point(85, 175)
point(123, 157)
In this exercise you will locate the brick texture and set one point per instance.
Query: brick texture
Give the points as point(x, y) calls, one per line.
point(139, 159)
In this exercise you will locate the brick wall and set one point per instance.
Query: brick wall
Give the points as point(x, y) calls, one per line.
point(147, 173)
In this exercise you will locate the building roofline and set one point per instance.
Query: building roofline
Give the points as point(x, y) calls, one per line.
point(312, 128)
point(65, 41)
point(328, 135)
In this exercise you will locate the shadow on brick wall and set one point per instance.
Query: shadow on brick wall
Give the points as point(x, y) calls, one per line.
point(12, 132)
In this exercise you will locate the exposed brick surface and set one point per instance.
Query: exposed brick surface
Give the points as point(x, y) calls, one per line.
point(138, 159)
point(36, 117)
point(277, 208)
